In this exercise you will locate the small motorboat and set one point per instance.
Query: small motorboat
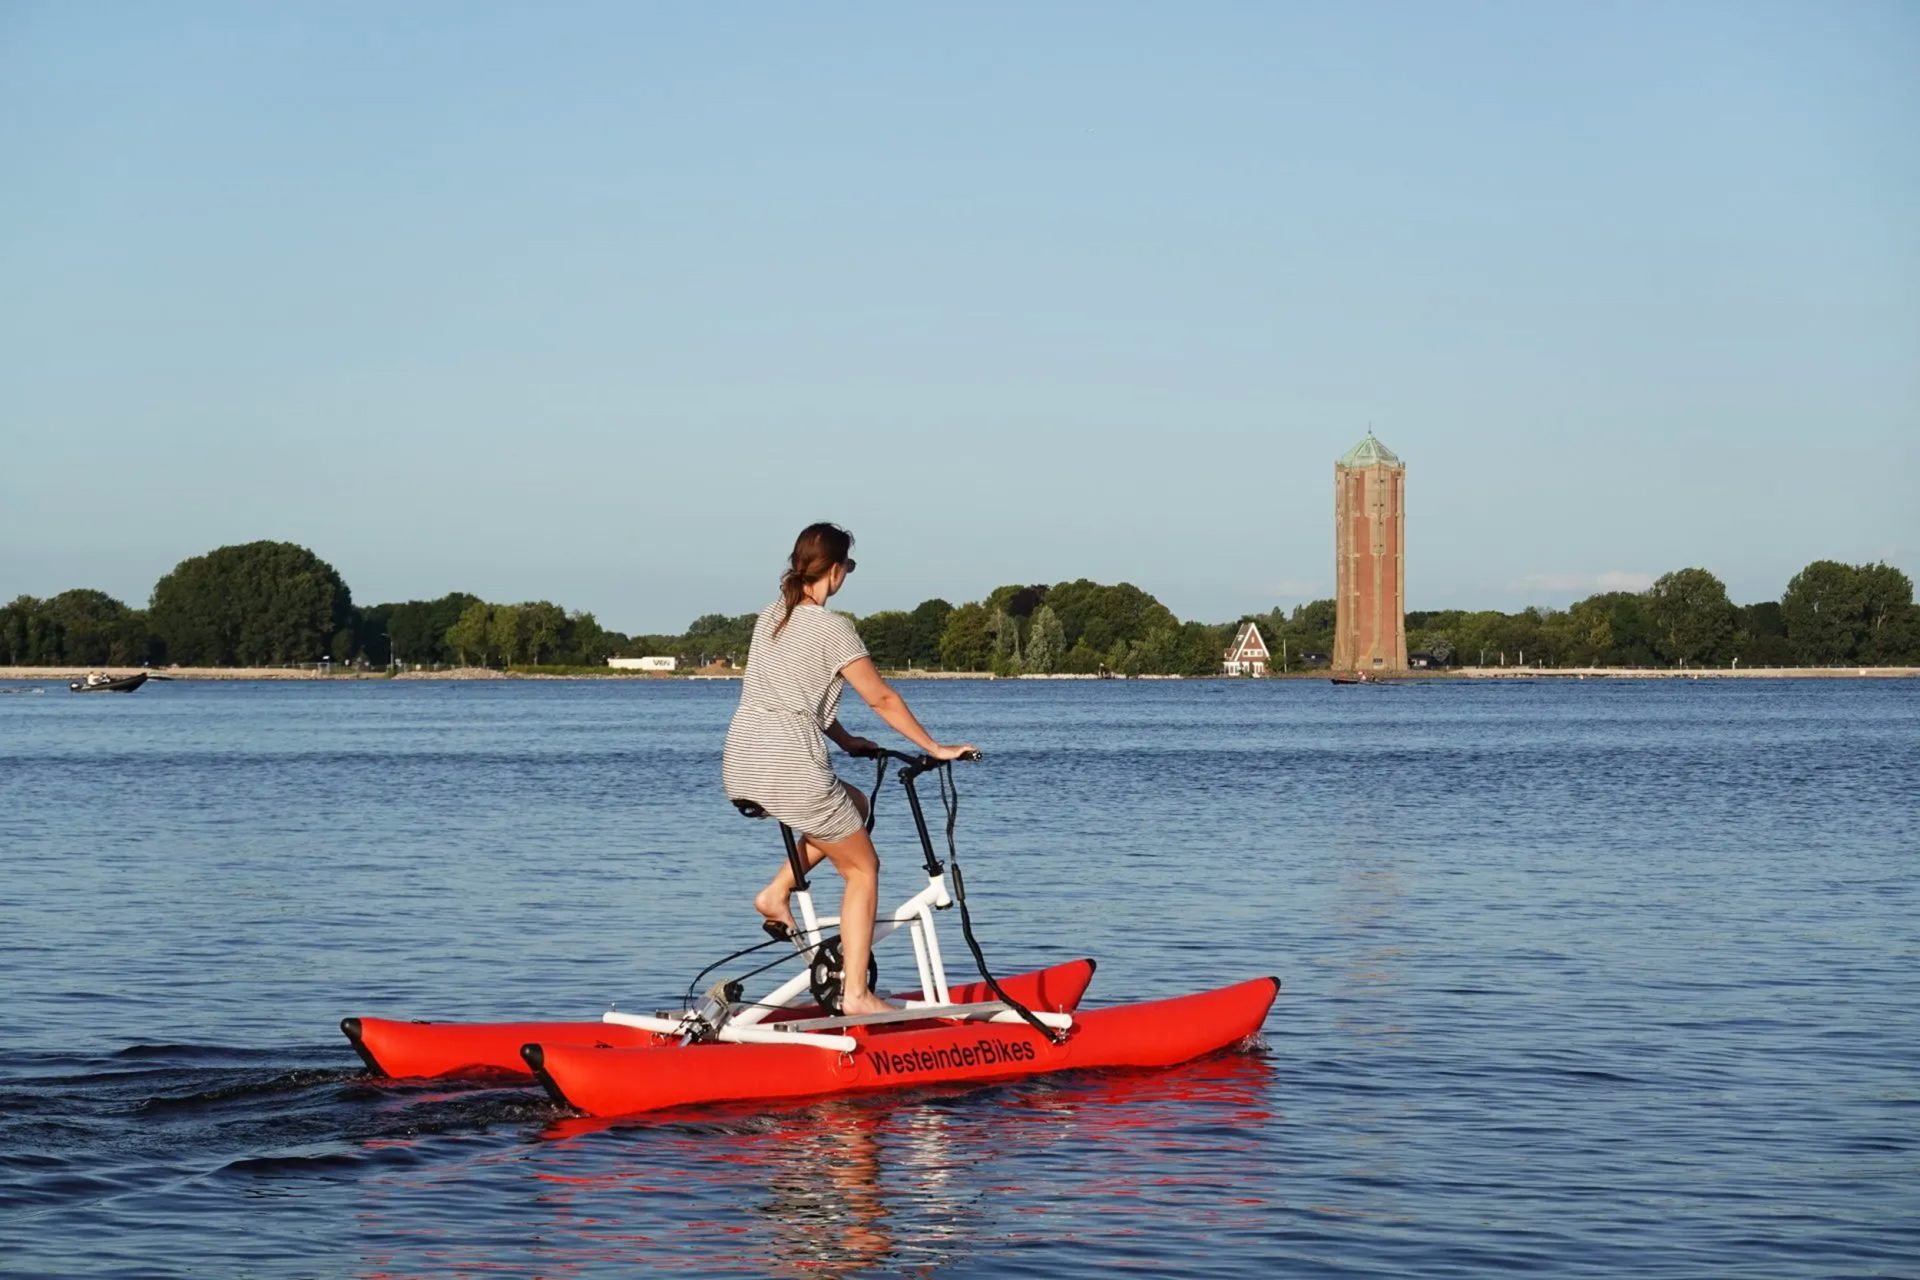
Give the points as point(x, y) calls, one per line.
point(795, 1042)
point(101, 682)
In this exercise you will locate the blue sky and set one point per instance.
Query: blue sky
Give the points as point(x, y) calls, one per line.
point(600, 303)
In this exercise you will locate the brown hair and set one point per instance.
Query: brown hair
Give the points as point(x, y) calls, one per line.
point(818, 548)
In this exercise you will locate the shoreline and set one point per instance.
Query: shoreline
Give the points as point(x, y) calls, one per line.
point(1683, 673)
point(64, 675)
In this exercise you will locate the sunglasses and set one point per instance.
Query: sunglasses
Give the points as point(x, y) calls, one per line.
point(850, 565)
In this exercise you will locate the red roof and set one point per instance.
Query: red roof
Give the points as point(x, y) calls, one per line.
point(1247, 643)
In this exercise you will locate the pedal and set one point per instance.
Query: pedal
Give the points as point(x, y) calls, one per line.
point(777, 930)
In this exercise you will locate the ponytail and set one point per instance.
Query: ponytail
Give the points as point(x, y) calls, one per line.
point(815, 552)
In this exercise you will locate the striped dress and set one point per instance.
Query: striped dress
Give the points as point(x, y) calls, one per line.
point(776, 755)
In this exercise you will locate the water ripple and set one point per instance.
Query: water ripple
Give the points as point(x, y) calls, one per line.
point(1581, 980)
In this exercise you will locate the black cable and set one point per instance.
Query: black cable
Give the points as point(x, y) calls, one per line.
point(873, 796)
point(950, 797)
point(744, 951)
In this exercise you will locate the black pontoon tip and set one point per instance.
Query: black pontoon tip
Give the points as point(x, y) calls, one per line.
point(350, 1028)
point(536, 1059)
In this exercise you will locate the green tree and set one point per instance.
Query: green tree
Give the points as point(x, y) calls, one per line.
point(1201, 648)
point(1084, 660)
point(94, 629)
point(415, 632)
point(1308, 629)
point(1762, 635)
point(1822, 608)
point(1316, 616)
point(256, 604)
point(888, 636)
point(719, 635)
point(585, 642)
point(1693, 621)
point(929, 624)
point(541, 622)
point(506, 632)
point(1046, 641)
point(1017, 600)
point(1107, 616)
point(31, 635)
point(966, 642)
point(1006, 638)
point(1155, 653)
point(1583, 635)
point(472, 634)
point(1899, 643)
point(1835, 612)
point(1888, 624)
point(1436, 643)
point(1630, 628)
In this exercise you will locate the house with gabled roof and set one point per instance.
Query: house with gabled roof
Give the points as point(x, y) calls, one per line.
point(1248, 655)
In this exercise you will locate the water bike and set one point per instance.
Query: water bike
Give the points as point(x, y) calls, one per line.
point(794, 1042)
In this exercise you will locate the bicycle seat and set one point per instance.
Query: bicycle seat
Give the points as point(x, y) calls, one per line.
point(749, 808)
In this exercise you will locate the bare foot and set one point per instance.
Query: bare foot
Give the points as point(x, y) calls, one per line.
point(773, 905)
point(854, 1006)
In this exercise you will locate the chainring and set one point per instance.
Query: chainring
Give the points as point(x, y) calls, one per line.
point(826, 976)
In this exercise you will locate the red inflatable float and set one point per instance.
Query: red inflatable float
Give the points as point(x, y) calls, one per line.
point(613, 1081)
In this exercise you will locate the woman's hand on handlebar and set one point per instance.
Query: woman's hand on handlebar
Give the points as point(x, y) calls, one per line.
point(860, 746)
point(961, 751)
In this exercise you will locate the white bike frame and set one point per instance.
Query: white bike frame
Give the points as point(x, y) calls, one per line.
point(717, 1017)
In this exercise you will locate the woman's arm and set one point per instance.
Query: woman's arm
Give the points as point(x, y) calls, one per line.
point(851, 743)
point(891, 707)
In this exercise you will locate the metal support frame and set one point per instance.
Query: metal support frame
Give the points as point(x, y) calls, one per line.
point(745, 1022)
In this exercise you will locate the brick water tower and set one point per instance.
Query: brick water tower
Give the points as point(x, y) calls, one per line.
point(1370, 548)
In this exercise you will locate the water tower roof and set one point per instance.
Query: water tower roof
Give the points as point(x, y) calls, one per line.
point(1369, 452)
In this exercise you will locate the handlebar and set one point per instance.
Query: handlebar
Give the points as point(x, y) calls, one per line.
point(916, 764)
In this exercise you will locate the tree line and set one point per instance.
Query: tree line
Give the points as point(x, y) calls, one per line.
point(274, 603)
point(263, 604)
point(1830, 613)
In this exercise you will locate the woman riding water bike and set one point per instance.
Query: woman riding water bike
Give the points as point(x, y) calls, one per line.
point(803, 656)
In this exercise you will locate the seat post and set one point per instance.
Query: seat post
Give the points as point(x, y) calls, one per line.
point(754, 810)
point(794, 860)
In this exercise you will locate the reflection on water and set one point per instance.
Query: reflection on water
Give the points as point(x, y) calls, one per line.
point(905, 1181)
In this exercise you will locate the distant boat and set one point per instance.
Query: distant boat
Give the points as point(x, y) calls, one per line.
point(1361, 678)
point(99, 682)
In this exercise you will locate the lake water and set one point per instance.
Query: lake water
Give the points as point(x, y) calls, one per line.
point(1595, 978)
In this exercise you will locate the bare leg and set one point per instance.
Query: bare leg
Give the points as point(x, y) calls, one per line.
point(858, 864)
point(772, 901)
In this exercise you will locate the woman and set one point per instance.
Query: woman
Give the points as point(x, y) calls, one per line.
point(803, 655)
